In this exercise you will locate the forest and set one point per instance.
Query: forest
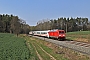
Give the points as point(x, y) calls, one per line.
point(67, 24)
point(13, 24)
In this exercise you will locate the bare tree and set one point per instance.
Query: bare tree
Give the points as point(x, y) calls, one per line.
point(15, 25)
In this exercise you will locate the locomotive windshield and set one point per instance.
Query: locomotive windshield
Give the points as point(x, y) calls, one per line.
point(61, 32)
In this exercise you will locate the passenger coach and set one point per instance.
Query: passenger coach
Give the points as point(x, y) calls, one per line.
point(40, 33)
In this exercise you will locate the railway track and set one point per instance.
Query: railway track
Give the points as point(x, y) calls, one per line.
point(86, 45)
point(75, 45)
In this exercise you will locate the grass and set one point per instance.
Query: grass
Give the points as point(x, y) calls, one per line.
point(33, 55)
point(83, 36)
point(42, 53)
point(13, 48)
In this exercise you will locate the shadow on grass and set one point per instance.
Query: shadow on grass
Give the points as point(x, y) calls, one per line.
point(68, 40)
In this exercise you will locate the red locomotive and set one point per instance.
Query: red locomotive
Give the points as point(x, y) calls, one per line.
point(58, 34)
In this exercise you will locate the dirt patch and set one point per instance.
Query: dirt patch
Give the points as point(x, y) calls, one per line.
point(82, 40)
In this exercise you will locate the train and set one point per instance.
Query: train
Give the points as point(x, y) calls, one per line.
point(56, 34)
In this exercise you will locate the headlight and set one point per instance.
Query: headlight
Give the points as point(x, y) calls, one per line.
point(59, 35)
point(63, 35)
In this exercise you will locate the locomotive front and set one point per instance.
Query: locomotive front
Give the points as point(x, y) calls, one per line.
point(61, 34)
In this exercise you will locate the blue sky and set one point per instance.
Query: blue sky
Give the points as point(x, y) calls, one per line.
point(34, 10)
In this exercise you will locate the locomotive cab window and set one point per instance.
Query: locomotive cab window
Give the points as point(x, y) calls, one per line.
point(61, 32)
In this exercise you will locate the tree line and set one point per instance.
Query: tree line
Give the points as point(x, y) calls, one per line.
point(67, 24)
point(13, 24)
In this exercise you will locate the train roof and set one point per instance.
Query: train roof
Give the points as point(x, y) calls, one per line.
point(55, 30)
point(42, 31)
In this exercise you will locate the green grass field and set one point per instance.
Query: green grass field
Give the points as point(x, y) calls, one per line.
point(79, 35)
point(13, 48)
